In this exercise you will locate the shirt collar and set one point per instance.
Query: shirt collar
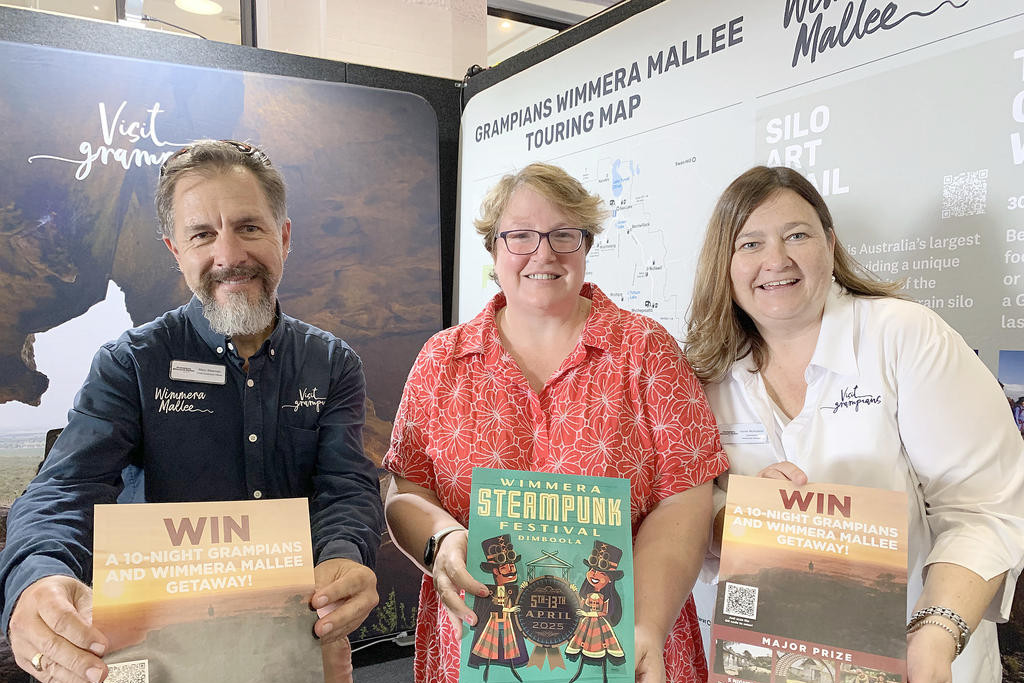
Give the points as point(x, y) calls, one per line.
point(601, 318)
point(481, 333)
point(834, 351)
point(744, 370)
point(220, 344)
point(473, 334)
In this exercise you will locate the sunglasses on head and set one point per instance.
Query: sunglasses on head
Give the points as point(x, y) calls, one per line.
point(243, 147)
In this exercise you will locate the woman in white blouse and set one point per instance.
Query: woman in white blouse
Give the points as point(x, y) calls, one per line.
point(835, 379)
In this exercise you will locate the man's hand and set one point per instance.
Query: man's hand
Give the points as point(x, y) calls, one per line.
point(346, 591)
point(53, 618)
point(337, 658)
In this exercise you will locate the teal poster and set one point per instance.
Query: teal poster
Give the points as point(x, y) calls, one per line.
point(556, 552)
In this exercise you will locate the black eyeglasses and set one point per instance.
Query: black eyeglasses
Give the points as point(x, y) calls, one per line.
point(524, 242)
point(243, 147)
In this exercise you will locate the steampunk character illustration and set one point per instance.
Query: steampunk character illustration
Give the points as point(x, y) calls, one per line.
point(594, 641)
point(498, 638)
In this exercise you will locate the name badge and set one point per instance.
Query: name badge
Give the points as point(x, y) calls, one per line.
point(188, 371)
point(743, 432)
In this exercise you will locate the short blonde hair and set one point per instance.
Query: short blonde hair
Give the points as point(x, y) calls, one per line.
point(718, 332)
point(584, 210)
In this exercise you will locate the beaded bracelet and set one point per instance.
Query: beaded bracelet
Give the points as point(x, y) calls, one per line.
point(936, 610)
point(956, 636)
point(965, 632)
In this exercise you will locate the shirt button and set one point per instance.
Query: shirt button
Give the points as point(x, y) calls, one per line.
point(257, 494)
point(252, 438)
point(220, 349)
point(249, 383)
point(231, 346)
point(271, 352)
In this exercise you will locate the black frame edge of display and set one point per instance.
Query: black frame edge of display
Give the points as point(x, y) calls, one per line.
point(443, 95)
point(527, 19)
point(247, 21)
point(557, 43)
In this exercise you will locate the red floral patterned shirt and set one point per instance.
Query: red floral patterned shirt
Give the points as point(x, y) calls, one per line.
point(625, 403)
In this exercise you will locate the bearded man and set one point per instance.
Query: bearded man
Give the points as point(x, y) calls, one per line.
point(225, 398)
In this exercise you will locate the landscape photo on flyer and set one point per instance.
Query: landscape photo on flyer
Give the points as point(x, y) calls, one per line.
point(175, 583)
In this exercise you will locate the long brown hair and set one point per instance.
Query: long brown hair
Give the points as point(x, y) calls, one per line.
point(719, 332)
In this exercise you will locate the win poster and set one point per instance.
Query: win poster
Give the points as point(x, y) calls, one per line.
point(556, 552)
point(813, 584)
point(177, 583)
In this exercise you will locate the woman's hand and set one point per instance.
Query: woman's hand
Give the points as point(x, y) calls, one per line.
point(930, 648)
point(451, 578)
point(414, 513)
point(650, 658)
point(930, 653)
point(786, 471)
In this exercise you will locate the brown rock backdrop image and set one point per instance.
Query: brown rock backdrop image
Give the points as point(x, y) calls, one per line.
point(85, 135)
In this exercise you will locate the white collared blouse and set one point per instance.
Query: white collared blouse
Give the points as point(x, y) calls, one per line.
point(897, 400)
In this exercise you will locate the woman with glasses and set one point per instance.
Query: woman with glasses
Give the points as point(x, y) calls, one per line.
point(552, 376)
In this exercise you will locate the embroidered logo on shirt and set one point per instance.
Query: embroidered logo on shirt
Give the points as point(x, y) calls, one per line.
point(849, 398)
point(308, 398)
point(180, 401)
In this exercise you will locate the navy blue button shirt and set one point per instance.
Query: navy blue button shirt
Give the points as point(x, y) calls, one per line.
point(289, 426)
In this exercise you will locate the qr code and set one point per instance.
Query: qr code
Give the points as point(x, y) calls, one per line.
point(136, 671)
point(740, 600)
point(964, 194)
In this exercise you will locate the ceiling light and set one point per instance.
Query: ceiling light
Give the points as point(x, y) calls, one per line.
point(506, 25)
point(199, 6)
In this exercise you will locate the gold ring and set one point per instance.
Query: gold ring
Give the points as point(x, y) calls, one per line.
point(37, 661)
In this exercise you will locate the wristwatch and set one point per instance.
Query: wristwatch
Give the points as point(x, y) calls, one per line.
point(434, 542)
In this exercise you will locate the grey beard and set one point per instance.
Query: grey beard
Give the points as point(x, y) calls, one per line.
point(238, 316)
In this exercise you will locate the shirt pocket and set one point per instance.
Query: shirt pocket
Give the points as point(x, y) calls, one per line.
point(298, 448)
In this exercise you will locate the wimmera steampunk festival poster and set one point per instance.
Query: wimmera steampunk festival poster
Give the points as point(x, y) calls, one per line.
point(176, 585)
point(556, 552)
point(812, 586)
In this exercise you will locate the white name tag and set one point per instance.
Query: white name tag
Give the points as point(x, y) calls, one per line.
point(188, 371)
point(743, 432)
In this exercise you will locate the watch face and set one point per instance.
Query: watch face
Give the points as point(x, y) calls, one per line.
point(434, 542)
point(428, 553)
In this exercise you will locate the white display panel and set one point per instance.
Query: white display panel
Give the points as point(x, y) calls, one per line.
point(911, 125)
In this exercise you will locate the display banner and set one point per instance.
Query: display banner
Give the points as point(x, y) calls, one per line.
point(84, 136)
point(907, 115)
